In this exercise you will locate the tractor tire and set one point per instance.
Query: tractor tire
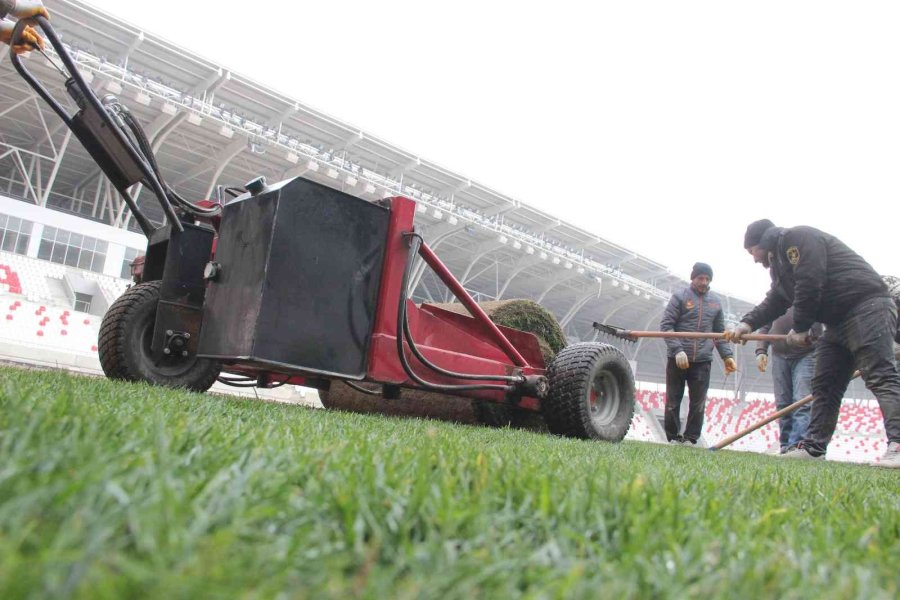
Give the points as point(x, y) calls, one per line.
point(591, 393)
point(124, 345)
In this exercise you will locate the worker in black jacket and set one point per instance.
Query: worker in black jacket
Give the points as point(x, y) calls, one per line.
point(826, 281)
point(695, 308)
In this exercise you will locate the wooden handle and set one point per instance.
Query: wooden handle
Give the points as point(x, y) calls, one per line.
point(698, 335)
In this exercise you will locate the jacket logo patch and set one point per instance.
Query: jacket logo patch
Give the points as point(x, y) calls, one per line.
point(689, 304)
point(793, 255)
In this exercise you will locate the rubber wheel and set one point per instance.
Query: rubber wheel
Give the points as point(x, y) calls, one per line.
point(124, 345)
point(591, 393)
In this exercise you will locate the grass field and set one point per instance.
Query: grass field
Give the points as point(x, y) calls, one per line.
point(110, 490)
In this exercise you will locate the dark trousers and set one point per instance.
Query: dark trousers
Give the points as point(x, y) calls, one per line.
point(864, 341)
point(697, 378)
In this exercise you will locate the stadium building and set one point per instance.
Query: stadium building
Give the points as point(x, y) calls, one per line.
point(67, 239)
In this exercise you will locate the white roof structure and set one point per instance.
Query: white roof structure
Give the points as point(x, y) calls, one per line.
point(213, 127)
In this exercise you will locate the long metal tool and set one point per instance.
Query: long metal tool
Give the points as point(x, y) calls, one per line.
point(776, 415)
point(632, 335)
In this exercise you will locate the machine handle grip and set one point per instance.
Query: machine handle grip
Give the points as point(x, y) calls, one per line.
point(36, 85)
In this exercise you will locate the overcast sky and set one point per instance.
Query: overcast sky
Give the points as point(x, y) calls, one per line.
point(664, 126)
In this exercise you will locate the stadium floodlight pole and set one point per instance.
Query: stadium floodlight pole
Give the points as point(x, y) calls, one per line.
point(776, 415)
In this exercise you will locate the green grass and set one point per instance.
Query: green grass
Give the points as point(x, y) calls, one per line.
point(109, 490)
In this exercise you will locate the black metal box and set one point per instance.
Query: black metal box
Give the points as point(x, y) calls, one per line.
point(298, 285)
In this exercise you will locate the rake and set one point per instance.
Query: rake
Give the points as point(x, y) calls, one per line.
point(631, 335)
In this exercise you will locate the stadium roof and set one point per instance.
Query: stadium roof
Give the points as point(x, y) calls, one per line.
point(214, 127)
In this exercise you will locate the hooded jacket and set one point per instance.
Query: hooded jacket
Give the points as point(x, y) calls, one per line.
point(781, 326)
point(816, 273)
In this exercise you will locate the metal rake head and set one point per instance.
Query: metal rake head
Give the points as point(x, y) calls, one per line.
point(616, 332)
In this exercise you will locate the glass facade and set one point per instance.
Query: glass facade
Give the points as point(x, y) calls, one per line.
point(72, 249)
point(83, 302)
point(15, 233)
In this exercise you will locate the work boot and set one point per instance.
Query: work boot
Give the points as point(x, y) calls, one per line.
point(891, 458)
point(801, 453)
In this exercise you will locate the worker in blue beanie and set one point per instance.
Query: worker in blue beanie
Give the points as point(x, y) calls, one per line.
point(694, 308)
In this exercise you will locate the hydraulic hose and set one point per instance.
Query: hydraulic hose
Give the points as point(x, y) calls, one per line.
point(403, 326)
point(147, 150)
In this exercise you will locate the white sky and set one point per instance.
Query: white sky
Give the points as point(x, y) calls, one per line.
point(664, 126)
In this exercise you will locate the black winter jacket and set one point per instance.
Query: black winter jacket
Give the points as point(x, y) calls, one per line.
point(816, 273)
point(689, 311)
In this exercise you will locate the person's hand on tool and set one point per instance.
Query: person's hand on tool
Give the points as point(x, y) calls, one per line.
point(26, 9)
point(681, 360)
point(730, 366)
point(762, 361)
point(734, 333)
point(30, 38)
point(798, 339)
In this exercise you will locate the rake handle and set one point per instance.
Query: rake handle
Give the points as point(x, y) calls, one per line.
point(776, 415)
point(699, 335)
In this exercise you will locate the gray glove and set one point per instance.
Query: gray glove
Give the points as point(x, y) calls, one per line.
point(734, 333)
point(798, 339)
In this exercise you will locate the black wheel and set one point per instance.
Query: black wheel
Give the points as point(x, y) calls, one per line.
point(591, 393)
point(124, 345)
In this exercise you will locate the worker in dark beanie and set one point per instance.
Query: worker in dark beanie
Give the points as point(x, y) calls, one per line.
point(694, 308)
point(755, 231)
point(701, 269)
point(827, 282)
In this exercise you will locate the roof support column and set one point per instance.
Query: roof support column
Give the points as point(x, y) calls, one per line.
point(56, 164)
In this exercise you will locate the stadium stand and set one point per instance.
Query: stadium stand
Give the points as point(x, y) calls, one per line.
point(640, 428)
point(51, 327)
point(860, 435)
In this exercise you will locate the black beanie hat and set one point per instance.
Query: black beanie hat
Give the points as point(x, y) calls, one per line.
point(755, 231)
point(701, 269)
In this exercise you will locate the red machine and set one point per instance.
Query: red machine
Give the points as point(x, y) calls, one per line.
point(298, 283)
